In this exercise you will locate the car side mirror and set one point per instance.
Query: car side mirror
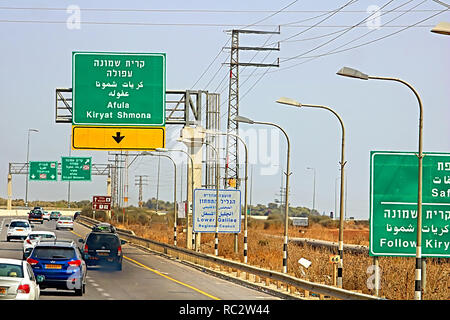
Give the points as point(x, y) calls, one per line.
point(122, 242)
point(7, 225)
point(80, 240)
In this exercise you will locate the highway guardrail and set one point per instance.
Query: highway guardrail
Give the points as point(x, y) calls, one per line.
point(304, 289)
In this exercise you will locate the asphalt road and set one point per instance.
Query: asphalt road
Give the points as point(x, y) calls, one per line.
point(144, 275)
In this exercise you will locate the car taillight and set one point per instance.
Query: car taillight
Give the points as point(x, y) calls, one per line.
point(76, 263)
point(32, 262)
point(28, 241)
point(23, 288)
point(119, 250)
point(85, 248)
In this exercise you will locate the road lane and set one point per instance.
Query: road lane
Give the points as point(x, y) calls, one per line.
point(144, 275)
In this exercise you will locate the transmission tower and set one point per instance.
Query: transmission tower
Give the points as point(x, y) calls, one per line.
point(140, 180)
point(232, 157)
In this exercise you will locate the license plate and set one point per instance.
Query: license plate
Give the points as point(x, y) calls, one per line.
point(53, 266)
point(103, 253)
point(19, 229)
point(3, 291)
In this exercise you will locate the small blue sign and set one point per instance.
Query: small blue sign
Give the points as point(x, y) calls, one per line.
point(204, 211)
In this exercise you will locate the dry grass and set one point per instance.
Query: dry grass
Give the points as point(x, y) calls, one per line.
point(265, 250)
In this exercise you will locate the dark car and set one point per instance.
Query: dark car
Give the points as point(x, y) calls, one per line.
point(76, 214)
point(59, 264)
point(36, 215)
point(103, 247)
point(54, 215)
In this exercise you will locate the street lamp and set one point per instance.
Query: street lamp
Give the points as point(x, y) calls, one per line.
point(314, 187)
point(192, 175)
point(174, 194)
point(286, 207)
point(442, 28)
point(246, 183)
point(28, 164)
point(349, 72)
point(216, 235)
point(342, 163)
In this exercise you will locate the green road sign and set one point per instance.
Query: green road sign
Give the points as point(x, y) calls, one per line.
point(118, 89)
point(76, 168)
point(43, 170)
point(393, 204)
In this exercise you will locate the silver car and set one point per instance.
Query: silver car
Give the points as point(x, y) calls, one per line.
point(17, 281)
point(64, 222)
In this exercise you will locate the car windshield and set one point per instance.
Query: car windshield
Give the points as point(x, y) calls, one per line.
point(10, 270)
point(96, 240)
point(53, 253)
point(19, 224)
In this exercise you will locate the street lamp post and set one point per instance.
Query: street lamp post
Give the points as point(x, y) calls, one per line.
point(342, 164)
point(192, 175)
point(216, 235)
point(352, 73)
point(174, 194)
point(286, 208)
point(245, 189)
point(28, 164)
point(314, 188)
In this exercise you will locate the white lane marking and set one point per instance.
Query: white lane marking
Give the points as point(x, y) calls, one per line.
point(100, 289)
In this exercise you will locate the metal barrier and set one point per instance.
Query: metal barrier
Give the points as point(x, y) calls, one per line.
point(213, 262)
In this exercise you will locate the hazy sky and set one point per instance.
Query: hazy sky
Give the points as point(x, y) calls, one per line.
point(37, 46)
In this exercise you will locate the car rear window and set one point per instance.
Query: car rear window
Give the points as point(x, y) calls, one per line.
point(65, 218)
point(97, 240)
point(11, 270)
point(53, 253)
point(42, 236)
point(19, 224)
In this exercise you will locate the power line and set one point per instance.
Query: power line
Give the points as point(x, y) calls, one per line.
point(365, 43)
point(338, 36)
point(200, 10)
point(226, 43)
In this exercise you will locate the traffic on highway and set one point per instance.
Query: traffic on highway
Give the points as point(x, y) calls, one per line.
point(44, 261)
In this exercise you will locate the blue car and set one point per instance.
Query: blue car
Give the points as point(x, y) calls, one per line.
point(59, 264)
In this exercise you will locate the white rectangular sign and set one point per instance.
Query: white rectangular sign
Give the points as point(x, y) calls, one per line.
point(181, 209)
point(204, 213)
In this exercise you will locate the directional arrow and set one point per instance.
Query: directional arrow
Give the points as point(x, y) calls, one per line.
point(118, 137)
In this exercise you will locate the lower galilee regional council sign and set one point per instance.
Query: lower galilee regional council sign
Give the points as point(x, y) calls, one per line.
point(76, 168)
point(126, 89)
point(204, 211)
point(393, 204)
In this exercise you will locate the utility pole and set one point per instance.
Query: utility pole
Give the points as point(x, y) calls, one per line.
point(140, 180)
point(232, 158)
point(232, 149)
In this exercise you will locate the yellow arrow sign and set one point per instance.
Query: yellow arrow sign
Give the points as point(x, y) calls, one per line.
point(118, 138)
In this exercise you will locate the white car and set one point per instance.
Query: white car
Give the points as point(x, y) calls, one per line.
point(18, 229)
point(46, 215)
point(64, 222)
point(17, 281)
point(33, 238)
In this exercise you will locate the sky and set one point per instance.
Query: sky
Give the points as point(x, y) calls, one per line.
point(38, 39)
